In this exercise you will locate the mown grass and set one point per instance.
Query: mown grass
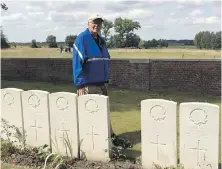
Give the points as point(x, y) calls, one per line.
point(166, 53)
point(124, 106)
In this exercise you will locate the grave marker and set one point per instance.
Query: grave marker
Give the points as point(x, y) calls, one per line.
point(158, 132)
point(199, 135)
point(36, 117)
point(64, 123)
point(94, 127)
point(11, 111)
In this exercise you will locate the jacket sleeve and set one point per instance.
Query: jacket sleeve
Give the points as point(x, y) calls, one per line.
point(79, 57)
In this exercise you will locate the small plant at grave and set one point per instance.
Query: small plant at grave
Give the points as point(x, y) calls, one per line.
point(59, 161)
point(12, 132)
point(179, 166)
point(7, 148)
point(42, 152)
point(13, 135)
point(116, 152)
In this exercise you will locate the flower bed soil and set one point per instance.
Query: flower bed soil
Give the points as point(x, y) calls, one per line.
point(31, 159)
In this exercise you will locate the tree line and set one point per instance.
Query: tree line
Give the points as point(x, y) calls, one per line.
point(208, 40)
point(124, 37)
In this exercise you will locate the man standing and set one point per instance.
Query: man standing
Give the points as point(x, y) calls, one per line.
point(91, 65)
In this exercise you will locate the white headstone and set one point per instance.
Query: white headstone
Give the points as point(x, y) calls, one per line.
point(199, 135)
point(158, 132)
point(94, 127)
point(64, 123)
point(11, 112)
point(36, 117)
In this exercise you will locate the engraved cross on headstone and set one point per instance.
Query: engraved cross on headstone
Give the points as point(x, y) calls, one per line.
point(198, 149)
point(93, 134)
point(36, 127)
point(63, 130)
point(157, 143)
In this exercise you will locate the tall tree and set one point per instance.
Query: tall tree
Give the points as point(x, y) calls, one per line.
point(132, 40)
point(206, 40)
point(33, 44)
point(124, 27)
point(70, 40)
point(197, 40)
point(218, 40)
point(116, 41)
point(154, 43)
point(142, 44)
point(148, 44)
point(213, 41)
point(51, 40)
point(107, 25)
point(4, 40)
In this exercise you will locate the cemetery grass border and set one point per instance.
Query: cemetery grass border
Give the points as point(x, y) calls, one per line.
point(125, 107)
point(11, 166)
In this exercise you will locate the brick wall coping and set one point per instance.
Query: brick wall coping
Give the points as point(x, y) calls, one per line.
point(132, 60)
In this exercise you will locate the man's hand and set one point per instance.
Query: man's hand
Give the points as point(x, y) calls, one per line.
point(81, 91)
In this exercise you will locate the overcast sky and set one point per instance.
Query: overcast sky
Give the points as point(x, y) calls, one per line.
point(36, 19)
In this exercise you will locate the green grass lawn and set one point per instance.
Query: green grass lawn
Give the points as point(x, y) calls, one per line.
point(124, 106)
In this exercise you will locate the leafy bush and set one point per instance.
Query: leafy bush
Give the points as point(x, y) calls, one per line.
point(7, 148)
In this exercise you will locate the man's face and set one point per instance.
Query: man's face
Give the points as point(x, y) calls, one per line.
point(95, 25)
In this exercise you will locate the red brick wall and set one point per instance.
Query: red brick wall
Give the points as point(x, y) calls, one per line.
point(193, 76)
point(130, 73)
point(201, 76)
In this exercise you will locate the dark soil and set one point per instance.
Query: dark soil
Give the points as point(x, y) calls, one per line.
point(31, 158)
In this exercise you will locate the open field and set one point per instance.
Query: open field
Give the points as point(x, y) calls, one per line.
point(124, 106)
point(166, 53)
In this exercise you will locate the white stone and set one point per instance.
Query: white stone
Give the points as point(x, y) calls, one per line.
point(158, 133)
point(36, 117)
point(11, 111)
point(64, 123)
point(94, 127)
point(199, 135)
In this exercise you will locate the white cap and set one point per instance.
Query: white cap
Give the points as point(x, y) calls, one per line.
point(95, 16)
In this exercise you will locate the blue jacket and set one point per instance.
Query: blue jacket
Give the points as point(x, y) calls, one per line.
point(90, 63)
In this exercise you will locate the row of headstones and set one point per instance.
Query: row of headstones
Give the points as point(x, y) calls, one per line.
point(80, 126)
point(53, 119)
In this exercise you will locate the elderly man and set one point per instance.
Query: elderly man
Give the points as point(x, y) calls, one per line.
point(91, 65)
